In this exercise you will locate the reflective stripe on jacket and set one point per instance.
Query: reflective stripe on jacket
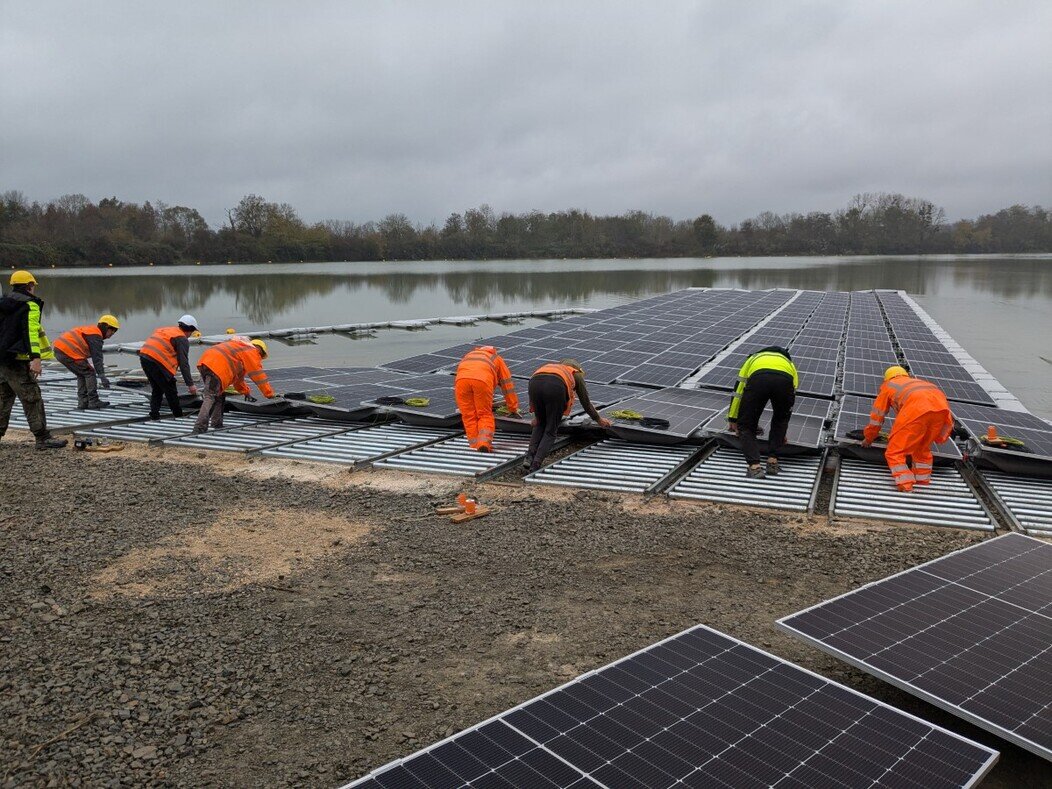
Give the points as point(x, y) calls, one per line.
point(74, 343)
point(161, 349)
point(231, 361)
point(909, 398)
point(762, 362)
point(565, 372)
point(486, 365)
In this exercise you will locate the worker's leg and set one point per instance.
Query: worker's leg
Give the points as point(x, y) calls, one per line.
point(782, 397)
point(24, 386)
point(548, 399)
point(466, 406)
point(933, 424)
point(211, 390)
point(901, 443)
point(155, 375)
point(217, 412)
point(78, 370)
point(754, 398)
point(171, 394)
point(7, 399)
point(483, 396)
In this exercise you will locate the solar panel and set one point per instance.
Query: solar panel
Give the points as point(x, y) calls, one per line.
point(700, 709)
point(286, 373)
point(654, 375)
point(806, 425)
point(685, 409)
point(970, 632)
point(422, 363)
point(854, 415)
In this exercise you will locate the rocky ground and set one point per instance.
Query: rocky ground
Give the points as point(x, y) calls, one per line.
point(168, 618)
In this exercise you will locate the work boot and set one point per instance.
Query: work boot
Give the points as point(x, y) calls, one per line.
point(773, 467)
point(755, 472)
point(527, 463)
point(907, 488)
point(50, 442)
point(485, 448)
point(196, 432)
point(155, 417)
point(98, 404)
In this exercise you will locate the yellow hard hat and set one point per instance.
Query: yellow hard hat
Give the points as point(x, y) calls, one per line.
point(894, 372)
point(111, 321)
point(262, 347)
point(22, 277)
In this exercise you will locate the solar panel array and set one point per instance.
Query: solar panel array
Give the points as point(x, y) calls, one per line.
point(1032, 430)
point(926, 355)
point(854, 415)
point(700, 709)
point(806, 425)
point(970, 632)
point(868, 350)
point(654, 342)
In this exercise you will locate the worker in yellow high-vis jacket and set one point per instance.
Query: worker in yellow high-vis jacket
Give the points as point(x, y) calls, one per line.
point(768, 376)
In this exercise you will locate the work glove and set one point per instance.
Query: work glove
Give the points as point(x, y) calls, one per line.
point(249, 398)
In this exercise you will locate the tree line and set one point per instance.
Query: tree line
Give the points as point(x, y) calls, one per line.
point(74, 231)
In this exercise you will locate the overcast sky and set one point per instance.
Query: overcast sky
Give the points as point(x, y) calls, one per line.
point(354, 110)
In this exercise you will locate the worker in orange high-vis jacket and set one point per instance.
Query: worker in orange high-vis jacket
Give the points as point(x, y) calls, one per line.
point(552, 390)
point(165, 353)
point(80, 351)
point(226, 365)
point(479, 373)
point(922, 418)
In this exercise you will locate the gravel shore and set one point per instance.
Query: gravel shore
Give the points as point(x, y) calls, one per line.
point(175, 619)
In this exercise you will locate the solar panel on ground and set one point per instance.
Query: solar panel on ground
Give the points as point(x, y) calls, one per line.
point(699, 709)
point(854, 415)
point(970, 632)
point(1035, 432)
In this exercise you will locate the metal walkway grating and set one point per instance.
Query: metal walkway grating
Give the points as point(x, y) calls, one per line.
point(67, 420)
point(865, 490)
point(721, 477)
point(147, 430)
point(361, 446)
point(255, 437)
point(614, 464)
point(1026, 501)
point(454, 456)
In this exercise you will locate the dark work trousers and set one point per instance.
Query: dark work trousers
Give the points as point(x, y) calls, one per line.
point(87, 381)
point(548, 401)
point(762, 388)
point(17, 381)
point(212, 401)
point(162, 386)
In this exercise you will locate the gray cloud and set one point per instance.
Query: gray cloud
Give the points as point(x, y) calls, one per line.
point(354, 111)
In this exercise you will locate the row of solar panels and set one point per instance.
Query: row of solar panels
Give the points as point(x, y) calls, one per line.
point(970, 632)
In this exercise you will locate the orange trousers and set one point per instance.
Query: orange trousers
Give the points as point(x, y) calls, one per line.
point(912, 438)
point(475, 403)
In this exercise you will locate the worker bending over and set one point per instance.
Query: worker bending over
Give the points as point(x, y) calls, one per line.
point(479, 373)
point(922, 418)
point(768, 376)
point(166, 352)
point(552, 389)
point(226, 365)
point(80, 351)
point(22, 344)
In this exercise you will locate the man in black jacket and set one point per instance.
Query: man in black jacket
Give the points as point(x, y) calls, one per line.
point(22, 341)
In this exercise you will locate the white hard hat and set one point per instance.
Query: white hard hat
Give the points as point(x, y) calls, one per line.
point(189, 320)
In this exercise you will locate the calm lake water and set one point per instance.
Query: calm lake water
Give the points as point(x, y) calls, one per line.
point(999, 308)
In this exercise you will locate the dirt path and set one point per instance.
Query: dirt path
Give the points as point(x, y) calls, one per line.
point(216, 621)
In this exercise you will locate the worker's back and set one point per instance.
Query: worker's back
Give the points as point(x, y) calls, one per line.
point(911, 397)
point(480, 365)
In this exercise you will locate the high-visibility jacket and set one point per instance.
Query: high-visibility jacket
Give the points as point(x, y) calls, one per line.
point(565, 372)
point(76, 343)
point(231, 361)
point(21, 333)
point(169, 347)
point(910, 398)
point(764, 361)
point(486, 365)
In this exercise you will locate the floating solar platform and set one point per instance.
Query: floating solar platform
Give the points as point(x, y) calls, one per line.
point(455, 457)
point(685, 409)
point(360, 447)
point(699, 709)
point(614, 464)
point(70, 420)
point(1025, 501)
point(148, 431)
point(256, 437)
point(970, 632)
point(806, 425)
point(864, 490)
point(721, 477)
point(1034, 431)
point(854, 415)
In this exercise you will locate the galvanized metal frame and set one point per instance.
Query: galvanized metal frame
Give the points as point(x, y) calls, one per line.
point(317, 450)
point(247, 438)
point(617, 465)
point(1032, 516)
point(453, 456)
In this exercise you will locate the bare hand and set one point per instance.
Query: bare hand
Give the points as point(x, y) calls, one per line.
point(193, 389)
point(867, 442)
point(35, 368)
point(732, 427)
point(604, 422)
